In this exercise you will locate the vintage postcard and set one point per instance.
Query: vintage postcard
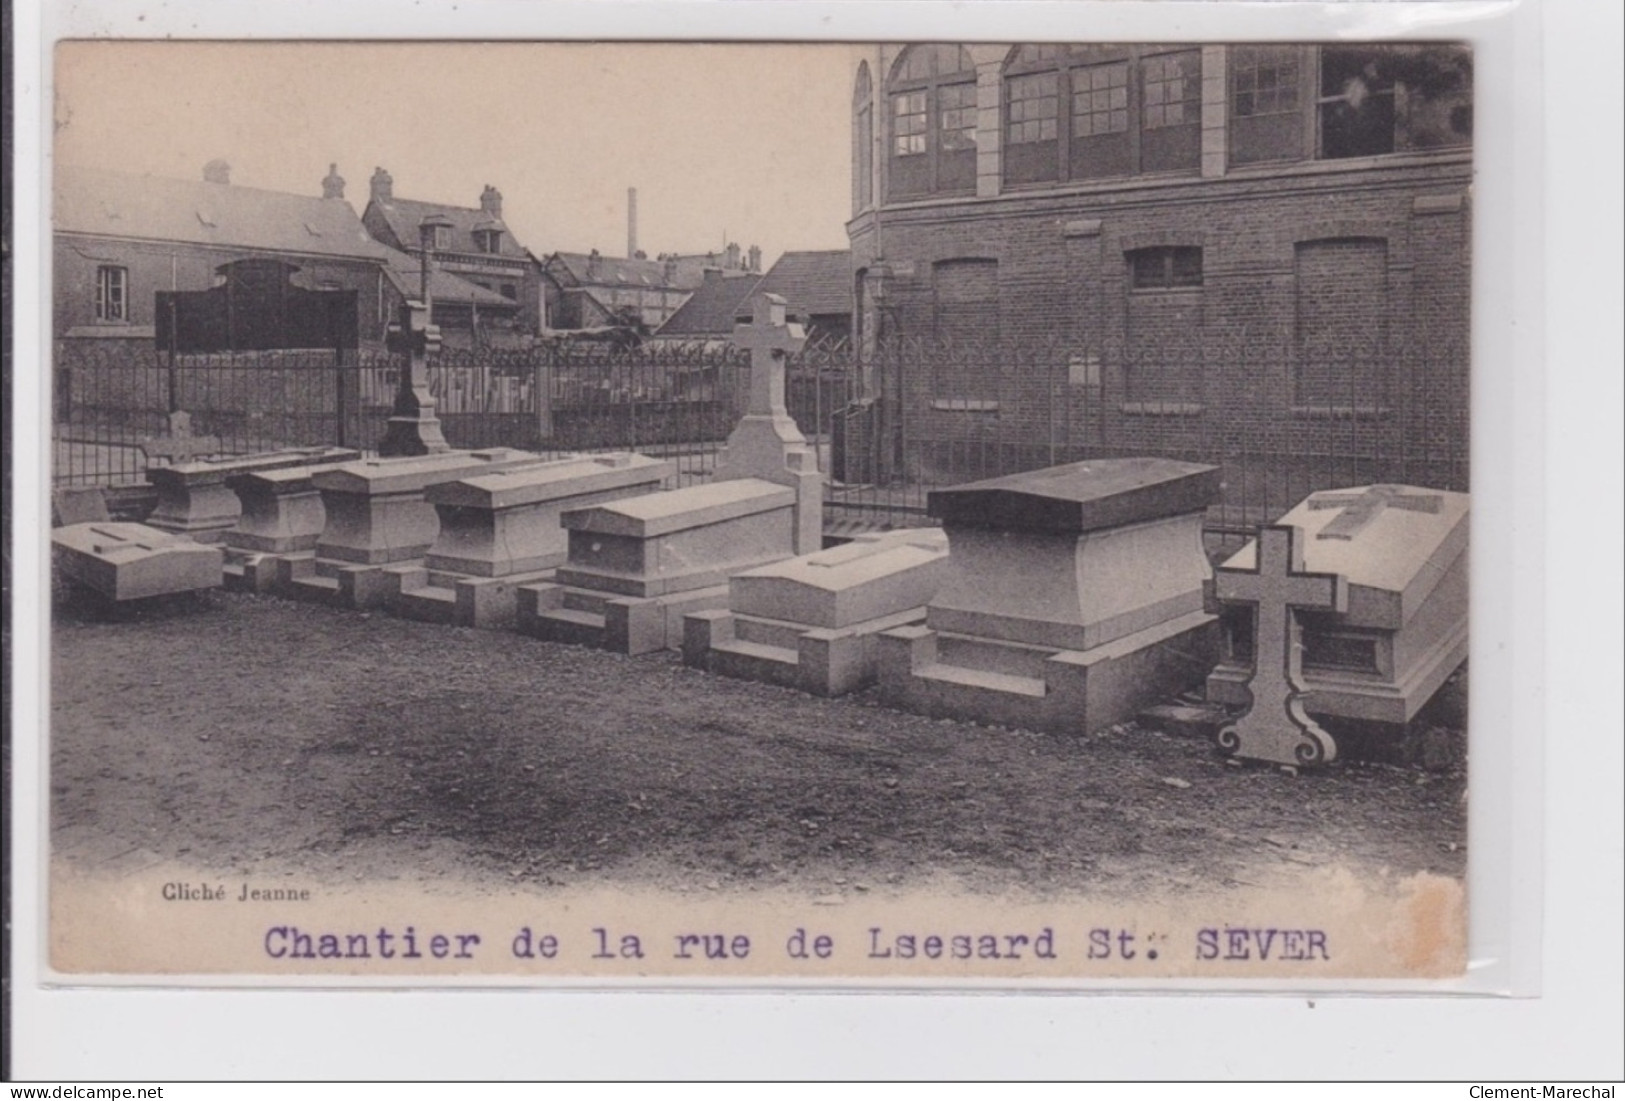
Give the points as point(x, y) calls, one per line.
point(989, 512)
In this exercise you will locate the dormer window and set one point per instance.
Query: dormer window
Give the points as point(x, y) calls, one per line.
point(442, 237)
point(488, 240)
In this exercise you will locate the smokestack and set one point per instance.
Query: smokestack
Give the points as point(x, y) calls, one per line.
point(631, 221)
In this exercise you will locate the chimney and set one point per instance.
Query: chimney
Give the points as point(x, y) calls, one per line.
point(732, 262)
point(593, 264)
point(333, 184)
point(383, 186)
point(217, 171)
point(631, 221)
point(491, 202)
point(669, 273)
point(755, 259)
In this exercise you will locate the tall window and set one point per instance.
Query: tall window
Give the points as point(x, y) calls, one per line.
point(932, 107)
point(1334, 102)
point(863, 134)
point(1087, 112)
point(112, 294)
point(486, 240)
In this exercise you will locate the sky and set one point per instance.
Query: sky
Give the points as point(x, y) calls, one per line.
point(745, 142)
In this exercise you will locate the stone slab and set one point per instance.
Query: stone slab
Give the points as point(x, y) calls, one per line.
point(508, 522)
point(1079, 497)
point(1068, 692)
point(871, 577)
point(683, 539)
point(125, 561)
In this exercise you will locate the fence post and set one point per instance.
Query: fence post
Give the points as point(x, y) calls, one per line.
point(542, 391)
point(340, 412)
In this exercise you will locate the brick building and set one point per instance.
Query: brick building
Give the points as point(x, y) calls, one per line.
point(476, 247)
point(1206, 240)
point(119, 238)
point(586, 290)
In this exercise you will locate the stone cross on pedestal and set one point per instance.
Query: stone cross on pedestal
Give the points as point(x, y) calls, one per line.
point(766, 443)
point(413, 428)
point(1275, 726)
point(769, 337)
point(1359, 509)
point(179, 445)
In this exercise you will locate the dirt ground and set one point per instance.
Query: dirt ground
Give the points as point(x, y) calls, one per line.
point(242, 733)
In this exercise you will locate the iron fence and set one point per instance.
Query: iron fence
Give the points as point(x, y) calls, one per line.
point(889, 424)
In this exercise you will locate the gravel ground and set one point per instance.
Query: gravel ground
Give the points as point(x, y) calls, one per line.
point(241, 732)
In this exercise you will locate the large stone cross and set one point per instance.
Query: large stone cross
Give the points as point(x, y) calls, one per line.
point(179, 445)
point(1276, 727)
point(769, 337)
point(1359, 509)
point(413, 429)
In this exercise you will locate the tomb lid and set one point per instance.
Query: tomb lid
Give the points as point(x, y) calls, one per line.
point(680, 509)
point(1079, 497)
point(1394, 543)
point(415, 473)
point(553, 481)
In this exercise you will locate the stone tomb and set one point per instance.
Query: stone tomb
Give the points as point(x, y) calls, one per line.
point(377, 516)
point(635, 567)
point(1403, 553)
point(197, 498)
point(133, 561)
point(810, 622)
point(282, 514)
point(1073, 598)
point(501, 530)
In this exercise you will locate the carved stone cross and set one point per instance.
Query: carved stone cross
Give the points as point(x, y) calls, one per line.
point(413, 429)
point(178, 445)
point(1275, 726)
point(769, 337)
point(1359, 509)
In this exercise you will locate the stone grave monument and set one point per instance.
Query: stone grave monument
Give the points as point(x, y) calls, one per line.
point(123, 561)
point(636, 566)
point(501, 530)
point(282, 514)
point(199, 497)
point(1273, 590)
point(377, 516)
point(766, 443)
point(1403, 630)
point(811, 622)
point(1073, 598)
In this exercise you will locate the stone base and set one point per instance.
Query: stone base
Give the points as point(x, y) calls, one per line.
point(327, 581)
point(249, 571)
point(440, 596)
point(1355, 696)
point(622, 624)
point(823, 661)
point(133, 561)
point(203, 513)
point(947, 675)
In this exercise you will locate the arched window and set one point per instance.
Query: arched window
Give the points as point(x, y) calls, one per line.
point(863, 138)
point(1086, 112)
point(931, 99)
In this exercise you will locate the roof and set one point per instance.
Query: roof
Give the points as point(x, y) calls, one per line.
point(812, 282)
point(710, 310)
point(614, 271)
point(406, 273)
point(152, 208)
point(403, 216)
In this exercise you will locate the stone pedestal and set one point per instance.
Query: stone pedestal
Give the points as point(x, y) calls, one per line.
point(766, 443)
point(133, 561)
point(811, 622)
point(376, 516)
point(199, 499)
point(1073, 598)
point(1403, 552)
point(282, 514)
point(502, 530)
point(636, 567)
